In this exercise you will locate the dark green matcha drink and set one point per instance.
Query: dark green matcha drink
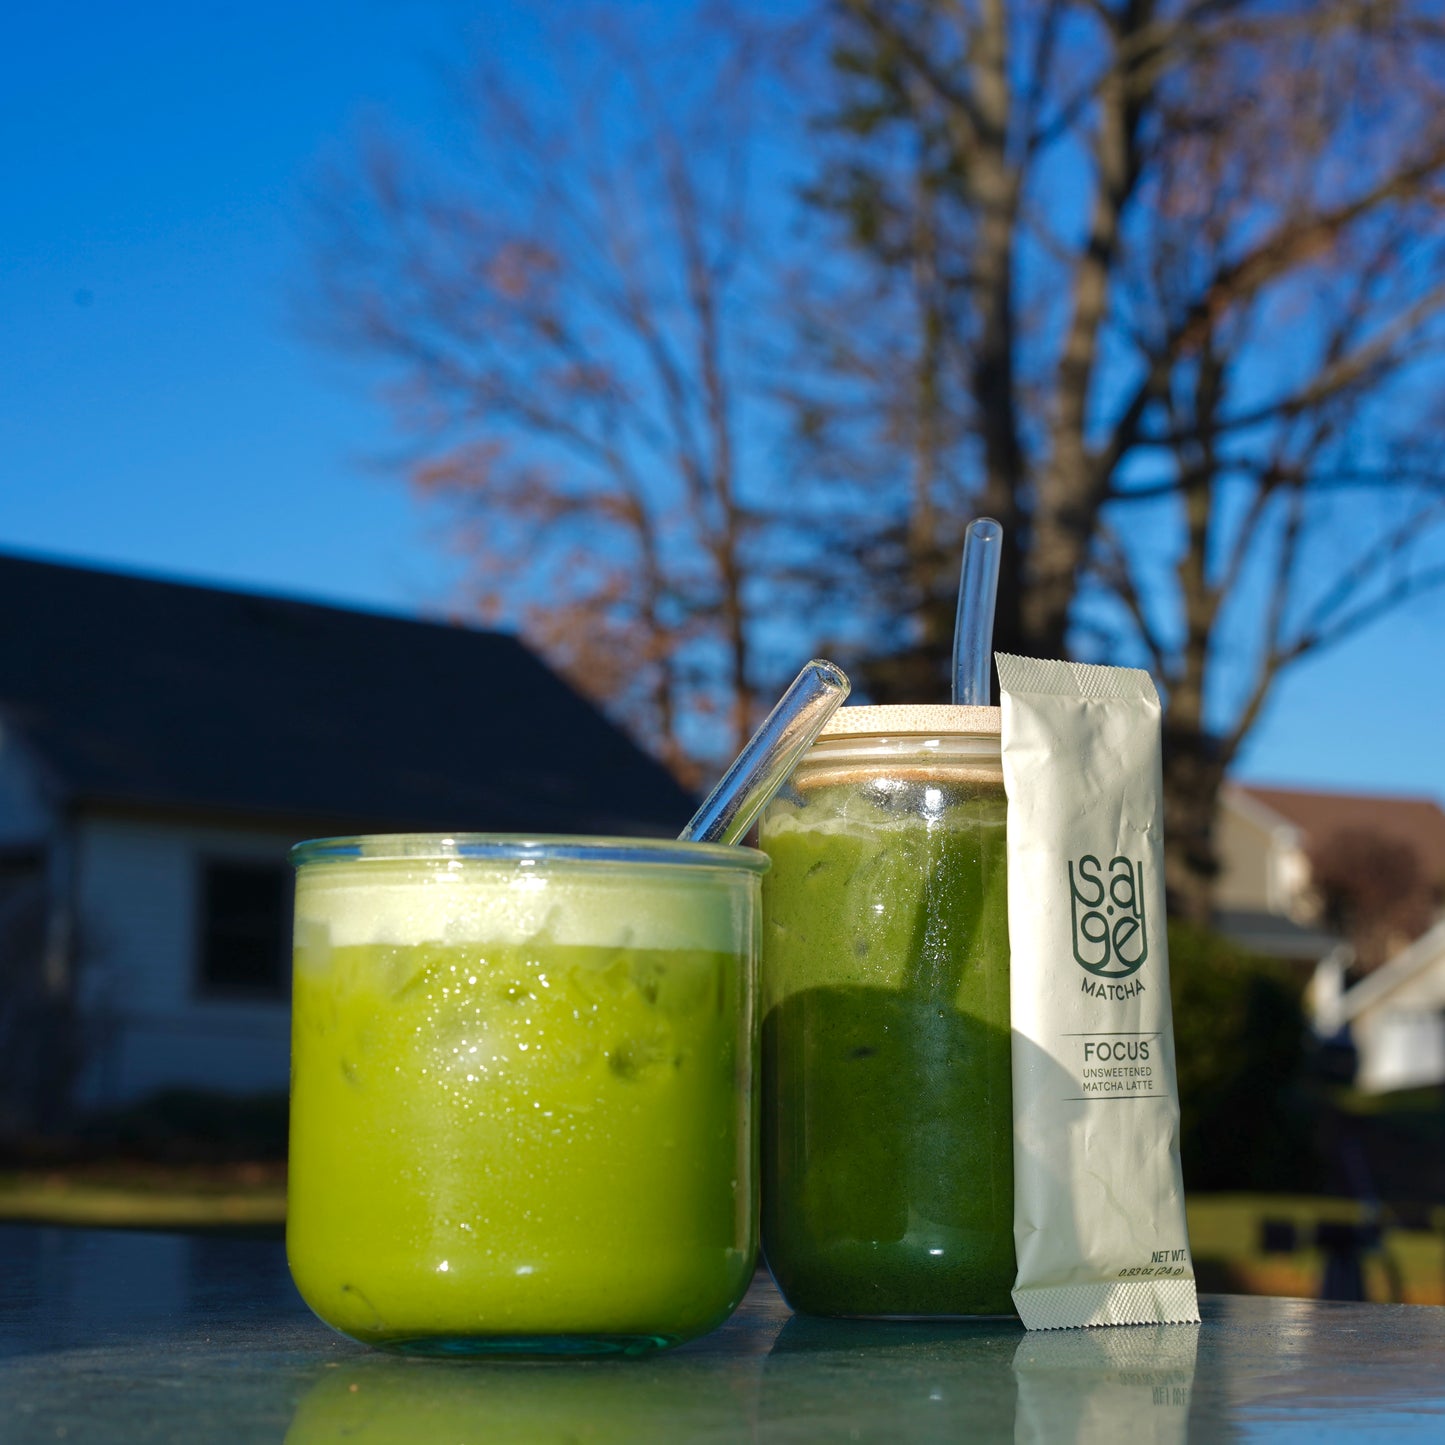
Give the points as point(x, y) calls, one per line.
point(887, 1115)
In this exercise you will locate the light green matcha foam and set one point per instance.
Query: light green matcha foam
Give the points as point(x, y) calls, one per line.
point(405, 903)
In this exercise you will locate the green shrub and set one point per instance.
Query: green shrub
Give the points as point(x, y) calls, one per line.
point(193, 1125)
point(1240, 1042)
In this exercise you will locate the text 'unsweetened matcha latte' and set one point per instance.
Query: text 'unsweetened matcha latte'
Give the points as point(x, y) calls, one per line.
point(887, 1098)
point(521, 1115)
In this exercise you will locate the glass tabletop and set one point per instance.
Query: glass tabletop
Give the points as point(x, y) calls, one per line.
point(119, 1337)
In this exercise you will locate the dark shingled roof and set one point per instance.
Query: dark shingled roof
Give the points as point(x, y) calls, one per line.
point(142, 693)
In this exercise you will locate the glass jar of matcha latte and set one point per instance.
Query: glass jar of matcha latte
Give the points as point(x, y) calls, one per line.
point(887, 1099)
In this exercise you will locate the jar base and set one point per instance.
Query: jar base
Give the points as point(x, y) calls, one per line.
point(527, 1347)
point(980, 1316)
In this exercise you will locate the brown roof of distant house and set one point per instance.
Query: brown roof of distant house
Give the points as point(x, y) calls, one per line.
point(1420, 822)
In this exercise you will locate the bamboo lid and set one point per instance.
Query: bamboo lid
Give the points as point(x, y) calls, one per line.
point(913, 720)
point(869, 726)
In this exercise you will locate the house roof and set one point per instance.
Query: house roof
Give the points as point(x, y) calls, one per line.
point(137, 692)
point(1274, 934)
point(1420, 822)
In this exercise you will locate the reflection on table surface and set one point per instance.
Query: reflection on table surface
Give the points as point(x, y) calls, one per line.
point(117, 1337)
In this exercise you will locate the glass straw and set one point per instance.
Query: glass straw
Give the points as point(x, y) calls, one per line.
point(771, 754)
point(973, 631)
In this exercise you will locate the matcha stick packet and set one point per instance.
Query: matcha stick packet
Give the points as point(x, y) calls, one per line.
point(1099, 1225)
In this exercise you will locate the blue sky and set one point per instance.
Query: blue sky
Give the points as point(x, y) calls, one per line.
point(160, 410)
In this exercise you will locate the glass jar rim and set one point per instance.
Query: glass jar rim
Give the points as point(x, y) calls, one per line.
point(526, 848)
point(863, 756)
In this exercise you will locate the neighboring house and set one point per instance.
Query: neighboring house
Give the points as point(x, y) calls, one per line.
point(1268, 900)
point(1261, 894)
point(163, 745)
point(1265, 892)
point(1396, 1017)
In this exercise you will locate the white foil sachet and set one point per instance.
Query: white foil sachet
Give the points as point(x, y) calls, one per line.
point(1099, 1223)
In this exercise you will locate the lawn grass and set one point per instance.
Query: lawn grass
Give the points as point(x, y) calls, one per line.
point(1225, 1233)
point(1225, 1229)
point(249, 1197)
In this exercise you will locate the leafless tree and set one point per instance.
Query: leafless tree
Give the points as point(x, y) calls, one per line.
point(1156, 282)
point(567, 306)
point(1184, 281)
point(1374, 889)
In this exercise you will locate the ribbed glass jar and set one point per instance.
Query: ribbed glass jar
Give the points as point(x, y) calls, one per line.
point(887, 1096)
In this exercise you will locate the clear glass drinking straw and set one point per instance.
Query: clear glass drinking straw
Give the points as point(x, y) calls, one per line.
point(771, 754)
point(973, 629)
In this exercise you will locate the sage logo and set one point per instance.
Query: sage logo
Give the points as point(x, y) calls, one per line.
point(1107, 907)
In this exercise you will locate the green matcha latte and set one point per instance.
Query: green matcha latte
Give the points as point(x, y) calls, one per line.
point(887, 1114)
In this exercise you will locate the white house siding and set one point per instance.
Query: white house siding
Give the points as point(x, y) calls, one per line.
point(1244, 848)
point(1397, 1018)
point(137, 903)
point(1399, 1049)
point(24, 813)
point(1263, 866)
